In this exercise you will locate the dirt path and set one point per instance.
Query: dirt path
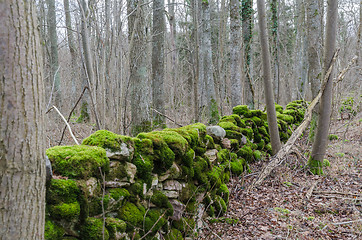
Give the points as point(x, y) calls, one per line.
point(279, 209)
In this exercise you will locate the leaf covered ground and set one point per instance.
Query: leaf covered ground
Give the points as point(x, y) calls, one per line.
point(292, 203)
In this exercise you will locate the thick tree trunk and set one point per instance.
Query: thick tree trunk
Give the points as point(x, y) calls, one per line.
point(158, 62)
point(321, 138)
point(235, 50)
point(140, 116)
point(22, 149)
point(54, 62)
point(314, 45)
point(269, 98)
point(247, 13)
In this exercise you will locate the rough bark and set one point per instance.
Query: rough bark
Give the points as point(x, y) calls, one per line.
point(195, 40)
point(269, 98)
point(235, 50)
point(22, 142)
point(140, 116)
point(314, 45)
point(212, 113)
point(275, 46)
point(247, 26)
point(54, 61)
point(158, 75)
point(321, 138)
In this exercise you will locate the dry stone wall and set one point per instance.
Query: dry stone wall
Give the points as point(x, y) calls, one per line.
point(158, 183)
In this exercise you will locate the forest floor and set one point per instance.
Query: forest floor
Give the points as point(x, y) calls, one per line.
point(280, 207)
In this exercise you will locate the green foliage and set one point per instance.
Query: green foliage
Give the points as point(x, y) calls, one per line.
point(278, 108)
point(348, 106)
point(93, 229)
point(53, 231)
point(78, 161)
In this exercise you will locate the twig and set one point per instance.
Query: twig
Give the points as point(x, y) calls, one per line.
point(167, 117)
point(71, 112)
point(149, 231)
point(338, 193)
point(341, 223)
point(70, 130)
point(310, 191)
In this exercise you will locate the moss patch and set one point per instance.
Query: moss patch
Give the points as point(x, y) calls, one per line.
point(132, 215)
point(114, 226)
point(93, 229)
point(65, 211)
point(108, 140)
point(53, 231)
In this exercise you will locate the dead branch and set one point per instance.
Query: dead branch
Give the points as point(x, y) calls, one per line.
point(278, 158)
point(347, 222)
point(338, 193)
point(174, 121)
point(69, 128)
point(311, 189)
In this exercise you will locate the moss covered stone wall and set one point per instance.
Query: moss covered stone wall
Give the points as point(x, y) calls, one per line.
point(158, 183)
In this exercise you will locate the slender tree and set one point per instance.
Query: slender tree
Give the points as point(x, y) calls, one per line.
point(269, 98)
point(140, 116)
point(274, 7)
point(22, 142)
point(321, 138)
point(247, 27)
point(158, 62)
point(235, 49)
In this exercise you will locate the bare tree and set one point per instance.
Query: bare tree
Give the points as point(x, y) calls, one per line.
point(22, 142)
point(235, 50)
point(274, 6)
point(321, 138)
point(269, 98)
point(158, 62)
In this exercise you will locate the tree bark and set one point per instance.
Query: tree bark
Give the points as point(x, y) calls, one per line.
point(235, 50)
point(275, 46)
point(321, 138)
point(140, 116)
point(247, 26)
point(22, 142)
point(269, 98)
point(158, 62)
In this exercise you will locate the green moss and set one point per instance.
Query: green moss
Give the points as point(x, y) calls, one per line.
point(174, 234)
point(242, 110)
point(152, 216)
point(223, 192)
point(84, 115)
point(220, 206)
point(61, 190)
point(246, 152)
point(233, 135)
point(108, 140)
point(223, 156)
point(200, 166)
point(144, 167)
point(93, 229)
point(119, 193)
point(247, 132)
point(188, 159)
point(132, 215)
point(187, 193)
point(229, 126)
point(278, 108)
point(261, 145)
point(78, 161)
point(257, 121)
point(332, 137)
point(215, 176)
point(114, 226)
point(315, 166)
point(287, 118)
point(95, 204)
point(237, 167)
point(257, 155)
point(210, 144)
point(234, 143)
point(136, 189)
point(185, 225)
point(65, 211)
point(143, 146)
point(214, 112)
point(233, 118)
point(326, 163)
point(161, 201)
point(53, 231)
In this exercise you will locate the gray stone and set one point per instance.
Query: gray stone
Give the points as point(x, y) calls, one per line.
point(216, 132)
point(131, 171)
point(92, 185)
point(226, 143)
point(211, 154)
point(115, 184)
point(172, 185)
point(171, 194)
point(173, 173)
point(178, 209)
point(49, 171)
point(125, 154)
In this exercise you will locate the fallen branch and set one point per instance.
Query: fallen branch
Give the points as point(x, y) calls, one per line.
point(342, 223)
point(311, 189)
point(338, 193)
point(167, 117)
point(69, 128)
point(278, 158)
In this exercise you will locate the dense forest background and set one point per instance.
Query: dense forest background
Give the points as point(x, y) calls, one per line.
point(187, 60)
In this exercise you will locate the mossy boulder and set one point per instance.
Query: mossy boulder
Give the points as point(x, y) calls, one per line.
point(78, 161)
point(161, 201)
point(154, 221)
point(93, 229)
point(132, 215)
point(65, 211)
point(53, 231)
point(220, 206)
point(108, 140)
point(287, 118)
point(237, 167)
point(278, 108)
point(233, 118)
point(185, 225)
point(246, 152)
point(114, 226)
point(174, 234)
point(223, 192)
point(62, 191)
point(242, 110)
point(229, 126)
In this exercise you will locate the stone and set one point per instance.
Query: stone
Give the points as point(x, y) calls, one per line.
point(49, 171)
point(131, 171)
point(92, 185)
point(226, 143)
point(125, 154)
point(171, 194)
point(211, 154)
point(154, 181)
point(172, 185)
point(216, 132)
point(115, 184)
point(178, 209)
point(173, 172)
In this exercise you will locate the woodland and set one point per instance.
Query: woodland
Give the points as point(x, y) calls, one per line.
point(180, 119)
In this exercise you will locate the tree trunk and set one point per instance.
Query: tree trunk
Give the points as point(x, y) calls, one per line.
point(22, 142)
point(235, 50)
point(195, 41)
point(212, 112)
point(314, 45)
point(275, 46)
point(321, 138)
point(54, 62)
point(158, 62)
point(269, 98)
point(140, 116)
point(247, 26)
